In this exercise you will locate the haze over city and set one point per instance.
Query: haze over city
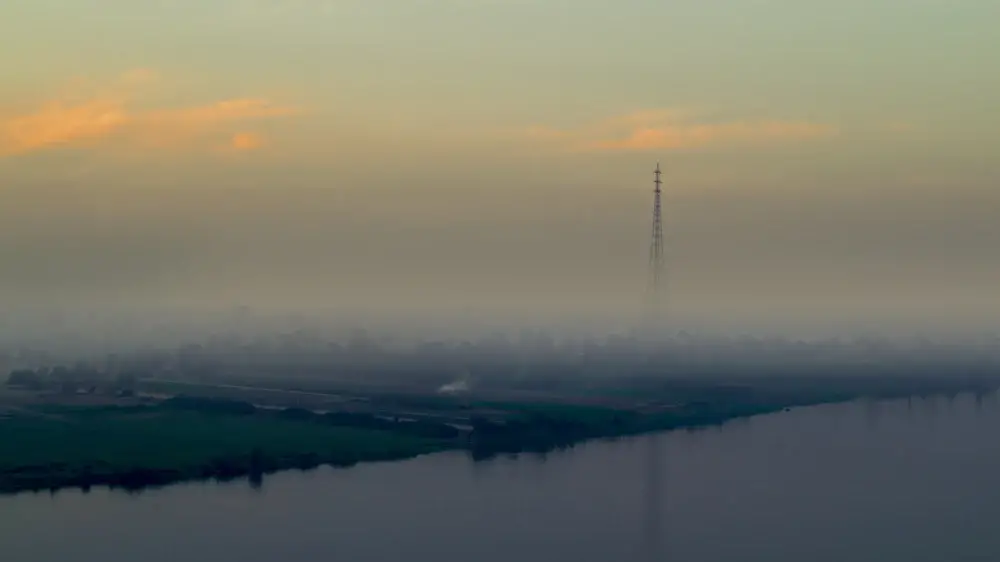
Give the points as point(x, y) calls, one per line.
point(826, 166)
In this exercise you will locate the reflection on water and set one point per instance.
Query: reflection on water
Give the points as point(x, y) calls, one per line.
point(911, 480)
point(652, 497)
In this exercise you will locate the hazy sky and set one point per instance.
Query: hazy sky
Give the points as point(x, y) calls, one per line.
point(822, 159)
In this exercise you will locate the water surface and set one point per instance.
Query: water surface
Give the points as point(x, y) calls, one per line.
point(906, 481)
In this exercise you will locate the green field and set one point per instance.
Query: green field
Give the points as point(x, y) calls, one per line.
point(141, 446)
point(49, 445)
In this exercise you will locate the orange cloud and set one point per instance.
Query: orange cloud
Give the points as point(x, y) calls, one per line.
point(229, 110)
point(111, 117)
point(676, 129)
point(57, 123)
point(181, 126)
point(243, 142)
point(695, 136)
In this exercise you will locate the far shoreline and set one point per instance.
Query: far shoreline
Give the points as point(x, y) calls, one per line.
point(341, 442)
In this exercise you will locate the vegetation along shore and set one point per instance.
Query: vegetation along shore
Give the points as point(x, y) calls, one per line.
point(143, 440)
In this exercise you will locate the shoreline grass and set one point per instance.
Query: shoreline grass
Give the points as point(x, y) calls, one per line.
point(49, 447)
point(139, 447)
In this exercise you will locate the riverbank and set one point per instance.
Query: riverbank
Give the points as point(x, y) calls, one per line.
point(134, 448)
point(48, 447)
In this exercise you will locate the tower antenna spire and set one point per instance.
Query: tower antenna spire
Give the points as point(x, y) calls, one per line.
point(656, 261)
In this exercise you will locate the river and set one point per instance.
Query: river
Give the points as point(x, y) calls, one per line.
point(906, 481)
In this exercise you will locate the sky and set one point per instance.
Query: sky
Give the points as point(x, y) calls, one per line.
point(823, 161)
